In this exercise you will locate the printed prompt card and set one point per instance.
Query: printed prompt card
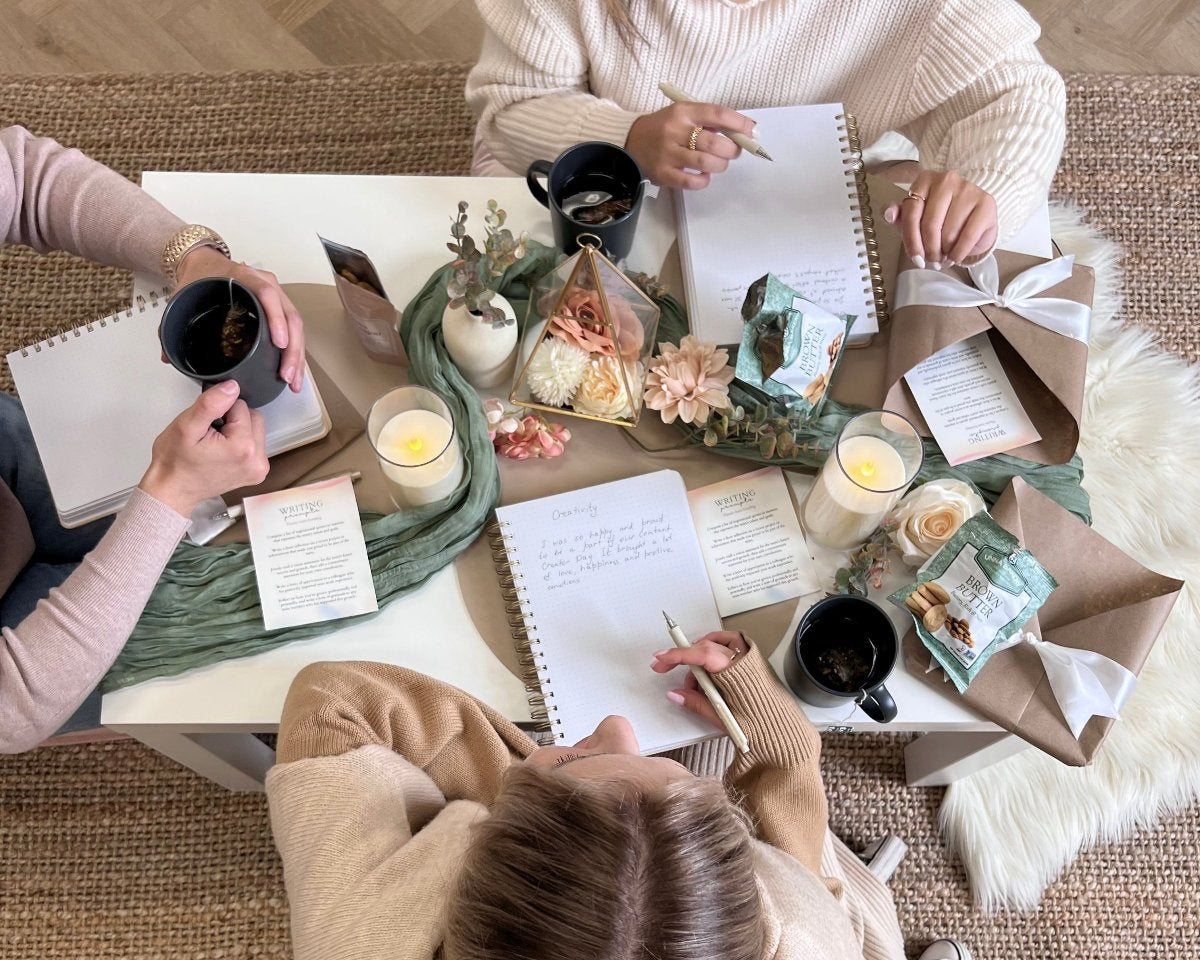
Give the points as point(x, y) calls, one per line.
point(310, 558)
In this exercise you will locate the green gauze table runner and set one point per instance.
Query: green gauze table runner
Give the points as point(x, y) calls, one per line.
point(206, 609)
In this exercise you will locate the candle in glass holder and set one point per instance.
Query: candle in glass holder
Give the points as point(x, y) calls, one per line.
point(413, 435)
point(876, 457)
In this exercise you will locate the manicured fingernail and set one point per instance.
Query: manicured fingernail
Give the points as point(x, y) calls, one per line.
point(919, 262)
point(890, 214)
point(228, 386)
point(937, 264)
point(662, 653)
point(287, 373)
point(675, 697)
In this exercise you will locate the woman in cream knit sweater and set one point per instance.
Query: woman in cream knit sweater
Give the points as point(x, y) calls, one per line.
point(961, 79)
point(411, 819)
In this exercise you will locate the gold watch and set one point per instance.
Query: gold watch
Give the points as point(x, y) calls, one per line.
point(184, 241)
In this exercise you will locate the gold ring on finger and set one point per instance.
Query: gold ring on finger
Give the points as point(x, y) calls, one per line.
point(695, 135)
point(733, 655)
point(914, 196)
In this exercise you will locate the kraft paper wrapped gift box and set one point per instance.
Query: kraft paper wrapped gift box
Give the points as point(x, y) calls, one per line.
point(1105, 601)
point(1046, 368)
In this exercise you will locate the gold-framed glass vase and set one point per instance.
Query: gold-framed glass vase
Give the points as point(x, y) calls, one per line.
point(586, 342)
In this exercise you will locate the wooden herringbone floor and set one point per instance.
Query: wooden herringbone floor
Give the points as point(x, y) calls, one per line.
point(80, 36)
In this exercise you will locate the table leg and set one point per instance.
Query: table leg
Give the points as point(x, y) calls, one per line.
point(936, 759)
point(237, 761)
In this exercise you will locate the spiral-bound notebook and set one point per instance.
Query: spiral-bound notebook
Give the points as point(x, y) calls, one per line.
point(806, 218)
point(97, 396)
point(586, 575)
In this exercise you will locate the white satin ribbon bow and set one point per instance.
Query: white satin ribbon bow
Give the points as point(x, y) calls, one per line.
point(1086, 684)
point(932, 288)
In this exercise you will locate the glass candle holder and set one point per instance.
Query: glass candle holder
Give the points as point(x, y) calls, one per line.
point(412, 432)
point(876, 458)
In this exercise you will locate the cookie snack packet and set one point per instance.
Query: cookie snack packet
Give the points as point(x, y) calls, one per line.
point(790, 346)
point(974, 593)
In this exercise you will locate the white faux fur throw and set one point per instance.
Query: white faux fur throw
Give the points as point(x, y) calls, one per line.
point(1017, 825)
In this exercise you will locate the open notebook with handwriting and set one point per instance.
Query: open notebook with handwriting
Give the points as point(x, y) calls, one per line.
point(805, 218)
point(586, 575)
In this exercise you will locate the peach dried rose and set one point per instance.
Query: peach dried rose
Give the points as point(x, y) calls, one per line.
point(929, 516)
point(580, 320)
point(602, 393)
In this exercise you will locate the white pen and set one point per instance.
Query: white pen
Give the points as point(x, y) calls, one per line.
point(749, 144)
point(728, 721)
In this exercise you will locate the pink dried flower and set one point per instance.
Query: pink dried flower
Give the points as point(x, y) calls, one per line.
point(580, 320)
point(689, 380)
point(523, 438)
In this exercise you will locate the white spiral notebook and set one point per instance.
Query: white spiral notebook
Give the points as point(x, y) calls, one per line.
point(97, 396)
point(587, 575)
point(806, 217)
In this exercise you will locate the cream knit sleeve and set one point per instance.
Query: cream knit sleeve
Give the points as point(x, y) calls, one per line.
point(530, 87)
point(987, 105)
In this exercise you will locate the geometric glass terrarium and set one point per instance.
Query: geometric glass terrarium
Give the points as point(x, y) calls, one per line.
point(586, 342)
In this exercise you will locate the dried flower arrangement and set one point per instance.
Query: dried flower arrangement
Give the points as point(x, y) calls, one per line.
point(466, 286)
point(589, 335)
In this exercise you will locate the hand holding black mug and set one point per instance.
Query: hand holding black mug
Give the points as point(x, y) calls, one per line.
point(844, 649)
point(592, 189)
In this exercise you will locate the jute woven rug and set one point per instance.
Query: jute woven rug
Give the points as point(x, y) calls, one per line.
point(112, 851)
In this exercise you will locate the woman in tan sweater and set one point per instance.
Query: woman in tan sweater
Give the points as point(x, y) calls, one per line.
point(411, 818)
point(961, 79)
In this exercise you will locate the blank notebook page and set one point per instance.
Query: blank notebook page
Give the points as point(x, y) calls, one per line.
point(599, 567)
point(793, 217)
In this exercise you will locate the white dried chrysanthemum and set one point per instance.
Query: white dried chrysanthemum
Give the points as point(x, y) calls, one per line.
point(555, 371)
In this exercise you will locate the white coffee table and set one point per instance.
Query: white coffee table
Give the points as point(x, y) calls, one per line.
point(205, 718)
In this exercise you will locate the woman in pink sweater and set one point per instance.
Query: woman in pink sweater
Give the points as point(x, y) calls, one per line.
point(63, 621)
point(961, 79)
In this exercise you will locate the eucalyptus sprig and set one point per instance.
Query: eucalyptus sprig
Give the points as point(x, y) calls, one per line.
point(502, 248)
point(465, 287)
point(868, 563)
point(772, 429)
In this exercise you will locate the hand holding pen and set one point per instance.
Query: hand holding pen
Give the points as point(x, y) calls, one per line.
point(684, 144)
point(707, 657)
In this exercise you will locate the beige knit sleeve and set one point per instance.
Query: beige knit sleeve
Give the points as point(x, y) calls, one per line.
point(51, 660)
point(987, 105)
point(55, 198)
point(530, 86)
point(779, 780)
point(463, 745)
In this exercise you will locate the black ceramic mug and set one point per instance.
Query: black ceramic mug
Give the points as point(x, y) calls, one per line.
point(587, 172)
point(215, 329)
point(844, 649)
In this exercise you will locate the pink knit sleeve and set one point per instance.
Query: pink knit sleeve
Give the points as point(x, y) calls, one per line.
point(55, 657)
point(55, 198)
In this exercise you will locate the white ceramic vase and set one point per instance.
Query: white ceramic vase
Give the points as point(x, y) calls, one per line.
point(483, 354)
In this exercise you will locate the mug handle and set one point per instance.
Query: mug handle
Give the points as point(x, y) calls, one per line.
point(878, 704)
point(536, 169)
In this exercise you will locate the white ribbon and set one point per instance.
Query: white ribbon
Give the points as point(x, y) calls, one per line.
point(933, 288)
point(1086, 684)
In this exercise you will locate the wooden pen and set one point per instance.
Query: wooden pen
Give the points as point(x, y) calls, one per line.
point(728, 721)
point(749, 144)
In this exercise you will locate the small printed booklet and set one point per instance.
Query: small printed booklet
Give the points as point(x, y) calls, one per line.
point(968, 402)
point(752, 543)
point(310, 558)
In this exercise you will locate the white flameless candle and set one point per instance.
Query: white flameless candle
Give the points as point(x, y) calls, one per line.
point(851, 497)
point(419, 457)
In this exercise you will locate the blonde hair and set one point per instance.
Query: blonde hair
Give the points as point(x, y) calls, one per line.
point(576, 869)
point(622, 19)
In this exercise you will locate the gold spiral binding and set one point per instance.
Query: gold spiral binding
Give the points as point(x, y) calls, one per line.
point(100, 320)
point(873, 272)
point(529, 654)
